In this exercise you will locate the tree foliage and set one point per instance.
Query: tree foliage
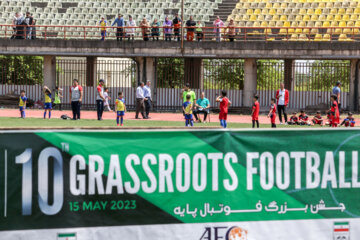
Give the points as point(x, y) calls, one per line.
point(21, 70)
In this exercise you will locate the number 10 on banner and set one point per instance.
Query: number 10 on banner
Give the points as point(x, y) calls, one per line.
point(43, 186)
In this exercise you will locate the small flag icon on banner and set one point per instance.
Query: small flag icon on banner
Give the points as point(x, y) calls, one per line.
point(341, 231)
point(66, 236)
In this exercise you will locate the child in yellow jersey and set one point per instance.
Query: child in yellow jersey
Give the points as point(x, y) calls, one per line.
point(48, 105)
point(120, 108)
point(22, 103)
point(103, 28)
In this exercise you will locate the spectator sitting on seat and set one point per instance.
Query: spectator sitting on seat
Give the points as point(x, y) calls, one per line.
point(303, 118)
point(199, 31)
point(145, 29)
point(318, 119)
point(103, 23)
point(349, 121)
point(202, 105)
point(155, 31)
point(190, 25)
point(168, 29)
point(294, 119)
point(130, 28)
point(231, 30)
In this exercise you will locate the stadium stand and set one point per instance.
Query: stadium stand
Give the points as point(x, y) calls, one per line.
point(319, 20)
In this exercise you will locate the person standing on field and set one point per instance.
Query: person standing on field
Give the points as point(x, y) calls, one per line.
point(100, 99)
point(336, 91)
point(76, 94)
point(282, 98)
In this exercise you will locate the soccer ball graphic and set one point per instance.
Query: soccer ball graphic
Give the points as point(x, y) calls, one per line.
point(237, 233)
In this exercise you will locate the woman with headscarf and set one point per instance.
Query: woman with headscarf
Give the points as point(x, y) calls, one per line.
point(168, 29)
point(145, 29)
point(155, 30)
point(218, 24)
point(231, 30)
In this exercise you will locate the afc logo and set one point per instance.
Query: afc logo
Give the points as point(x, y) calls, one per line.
point(224, 233)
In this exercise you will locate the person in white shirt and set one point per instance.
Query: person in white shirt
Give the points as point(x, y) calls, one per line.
point(147, 95)
point(76, 94)
point(282, 97)
point(130, 28)
point(140, 98)
point(107, 99)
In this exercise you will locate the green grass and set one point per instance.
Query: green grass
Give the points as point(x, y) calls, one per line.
point(8, 122)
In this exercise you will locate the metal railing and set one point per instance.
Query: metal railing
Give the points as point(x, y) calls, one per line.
point(190, 34)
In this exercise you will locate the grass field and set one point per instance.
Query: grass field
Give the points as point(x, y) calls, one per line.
point(11, 122)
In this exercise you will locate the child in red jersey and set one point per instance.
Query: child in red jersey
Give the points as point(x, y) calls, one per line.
point(328, 121)
point(294, 119)
point(334, 111)
point(272, 113)
point(317, 119)
point(255, 112)
point(224, 105)
point(349, 121)
point(304, 118)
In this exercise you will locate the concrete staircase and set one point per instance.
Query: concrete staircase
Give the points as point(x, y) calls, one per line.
point(224, 10)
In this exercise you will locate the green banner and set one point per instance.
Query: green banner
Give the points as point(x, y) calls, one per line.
point(61, 180)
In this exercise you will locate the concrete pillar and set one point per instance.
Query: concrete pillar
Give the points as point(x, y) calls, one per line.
point(288, 73)
point(193, 72)
point(250, 75)
point(91, 71)
point(50, 72)
point(146, 68)
point(354, 86)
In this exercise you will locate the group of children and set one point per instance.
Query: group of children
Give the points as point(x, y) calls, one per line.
point(333, 116)
point(224, 106)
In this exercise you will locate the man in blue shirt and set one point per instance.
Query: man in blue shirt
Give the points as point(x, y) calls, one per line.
point(202, 106)
point(148, 100)
point(120, 24)
point(336, 91)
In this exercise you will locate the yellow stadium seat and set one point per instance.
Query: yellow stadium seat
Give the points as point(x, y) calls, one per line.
point(333, 11)
point(306, 18)
point(276, 18)
point(294, 37)
point(249, 11)
point(343, 37)
point(286, 24)
point(272, 11)
point(326, 24)
point(256, 24)
point(257, 11)
point(341, 11)
point(264, 11)
point(322, 18)
point(342, 24)
point(302, 11)
point(310, 11)
point(354, 17)
point(349, 11)
point(357, 24)
point(298, 18)
point(264, 24)
point(338, 18)
point(276, 5)
point(318, 11)
point(268, 5)
point(283, 5)
point(357, 11)
point(279, 11)
point(314, 17)
point(330, 17)
point(253, 18)
point(327, 37)
point(283, 18)
point(303, 37)
point(260, 17)
point(345, 17)
point(294, 26)
point(322, 5)
point(318, 37)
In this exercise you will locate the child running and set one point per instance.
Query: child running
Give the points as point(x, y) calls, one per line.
point(120, 109)
point(334, 111)
point(224, 106)
point(317, 120)
point(294, 119)
point(22, 103)
point(107, 99)
point(255, 112)
point(349, 121)
point(187, 108)
point(48, 105)
point(303, 118)
point(272, 113)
